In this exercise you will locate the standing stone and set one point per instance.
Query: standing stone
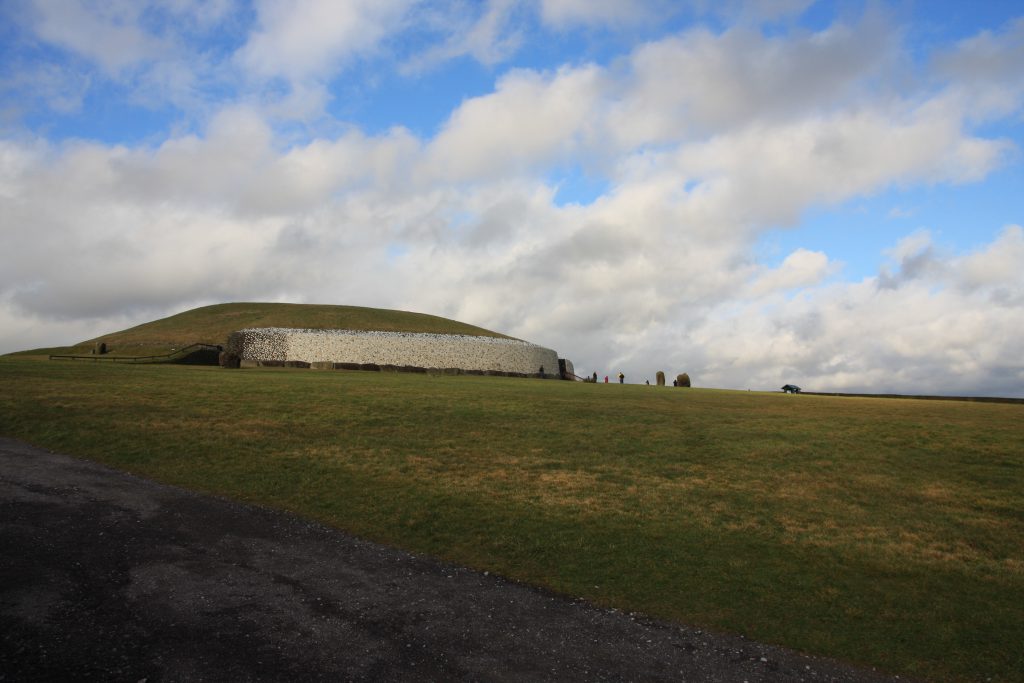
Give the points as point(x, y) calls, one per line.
point(660, 378)
point(683, 380)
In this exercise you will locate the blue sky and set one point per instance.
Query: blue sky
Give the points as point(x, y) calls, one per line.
point(824, 193)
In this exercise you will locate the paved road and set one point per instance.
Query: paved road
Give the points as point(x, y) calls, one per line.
point(105, 576)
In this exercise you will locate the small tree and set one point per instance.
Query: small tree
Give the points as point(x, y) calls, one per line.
point(683, 380)
point(660, 378)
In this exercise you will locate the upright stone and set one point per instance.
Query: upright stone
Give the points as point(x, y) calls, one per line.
point(683, 380)
point(660, 378)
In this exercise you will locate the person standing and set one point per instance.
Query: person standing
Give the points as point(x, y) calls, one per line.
point(622, 378)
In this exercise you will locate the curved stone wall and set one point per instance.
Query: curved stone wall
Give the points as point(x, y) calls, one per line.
point(408, 349)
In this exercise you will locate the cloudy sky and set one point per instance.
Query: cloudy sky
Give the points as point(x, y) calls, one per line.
point(823, 193)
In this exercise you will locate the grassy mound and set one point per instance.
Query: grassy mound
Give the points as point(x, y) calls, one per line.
point(213, 324)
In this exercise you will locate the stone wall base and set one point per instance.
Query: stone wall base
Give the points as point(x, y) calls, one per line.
point(394, 352)
point(371, 367)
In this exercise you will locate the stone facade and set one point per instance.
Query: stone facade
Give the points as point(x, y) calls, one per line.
point(401, 350)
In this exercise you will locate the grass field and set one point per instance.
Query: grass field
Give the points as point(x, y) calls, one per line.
point(887, 533)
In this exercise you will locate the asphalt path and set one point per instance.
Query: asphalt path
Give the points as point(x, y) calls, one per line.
point(107, 576)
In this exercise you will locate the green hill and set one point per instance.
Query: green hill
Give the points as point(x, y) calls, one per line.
point(213, 324)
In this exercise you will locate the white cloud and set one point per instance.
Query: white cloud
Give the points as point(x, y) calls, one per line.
point(802, 268)
point(986, 70)
point(490, 37)
point(156, 52)
point(699, 83)
point(58, 88)
point(108, 33)
point(996, 268)
point(916, 256)
point(530, 119)
point(312, 38)
point(690, 87)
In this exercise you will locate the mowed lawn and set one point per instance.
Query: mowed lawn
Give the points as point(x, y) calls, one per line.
point(883, 532)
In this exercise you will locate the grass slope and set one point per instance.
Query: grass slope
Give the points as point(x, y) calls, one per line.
point(888, 533)
point(213, 324)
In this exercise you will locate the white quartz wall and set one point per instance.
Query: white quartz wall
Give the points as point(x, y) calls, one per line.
point(392, 348)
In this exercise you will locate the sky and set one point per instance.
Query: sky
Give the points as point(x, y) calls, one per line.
point(829, 194)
